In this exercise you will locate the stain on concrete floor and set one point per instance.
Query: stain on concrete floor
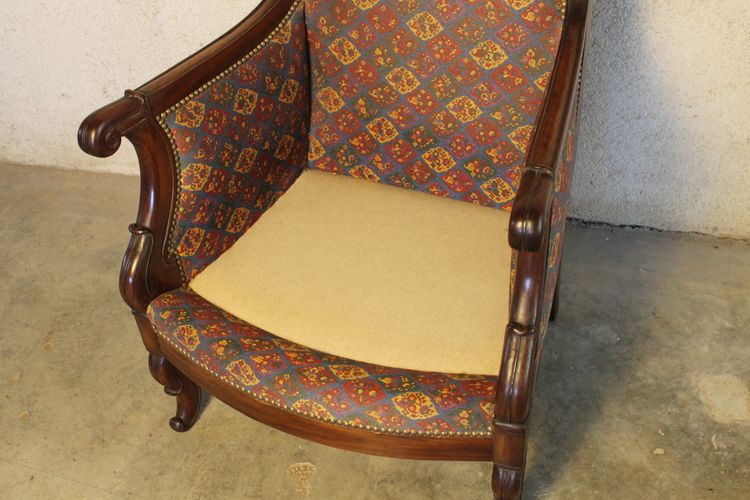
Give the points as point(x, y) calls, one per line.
point(725, 397)
point(301, 474)
point(650, 352)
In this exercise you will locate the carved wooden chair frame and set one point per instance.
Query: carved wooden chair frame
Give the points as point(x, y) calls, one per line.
point(149, 269)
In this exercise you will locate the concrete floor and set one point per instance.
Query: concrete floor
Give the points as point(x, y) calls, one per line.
point(643, 392)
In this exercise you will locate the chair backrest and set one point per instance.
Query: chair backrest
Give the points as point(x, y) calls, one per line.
point(439, 95)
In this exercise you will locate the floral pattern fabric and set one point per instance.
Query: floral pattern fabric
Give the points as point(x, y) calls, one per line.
point(240, 143)
point(439, 96)
point(318, 385)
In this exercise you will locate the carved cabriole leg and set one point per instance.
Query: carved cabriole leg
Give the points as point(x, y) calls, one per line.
point(175, 383)
point(160, 368)
point(188, 404)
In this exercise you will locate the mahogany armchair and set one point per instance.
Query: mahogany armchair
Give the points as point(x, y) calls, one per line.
point(267, 268)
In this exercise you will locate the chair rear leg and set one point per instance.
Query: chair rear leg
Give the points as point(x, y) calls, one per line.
point(188, 404)
point(555, 300)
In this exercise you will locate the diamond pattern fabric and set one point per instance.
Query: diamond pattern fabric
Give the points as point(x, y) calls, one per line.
point(240, 144)
point(317, 385)
point(439, 96)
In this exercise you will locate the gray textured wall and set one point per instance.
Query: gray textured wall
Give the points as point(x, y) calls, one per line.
point(665, 132)
point(62, 59)
point(665, 136)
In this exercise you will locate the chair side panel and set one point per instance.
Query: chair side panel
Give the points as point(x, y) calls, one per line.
point(561, 196)
point(239, 142)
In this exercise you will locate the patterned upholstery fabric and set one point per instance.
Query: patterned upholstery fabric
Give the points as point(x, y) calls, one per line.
point(439, 96)
point(321, 386)
point(240, 143)
point(559, 211)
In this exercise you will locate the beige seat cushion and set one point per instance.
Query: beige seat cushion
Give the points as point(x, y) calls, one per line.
point(374, 273)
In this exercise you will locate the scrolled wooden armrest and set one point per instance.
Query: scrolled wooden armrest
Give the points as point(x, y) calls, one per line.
point(101, 132)
point(528, 217)
point(534, 196)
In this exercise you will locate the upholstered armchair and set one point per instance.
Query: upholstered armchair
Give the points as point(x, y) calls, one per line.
point(351, 219)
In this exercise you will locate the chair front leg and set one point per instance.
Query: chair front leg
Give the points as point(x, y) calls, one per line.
point(188, 393)
point(511, 412)
point(161, 369)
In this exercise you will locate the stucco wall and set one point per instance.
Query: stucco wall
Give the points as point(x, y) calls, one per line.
point(665, 134)
point(62, 59)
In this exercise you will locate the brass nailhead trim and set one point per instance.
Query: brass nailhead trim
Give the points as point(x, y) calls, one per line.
point(382, 430)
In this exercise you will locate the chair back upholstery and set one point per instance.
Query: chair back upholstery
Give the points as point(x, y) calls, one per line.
point(440, 96)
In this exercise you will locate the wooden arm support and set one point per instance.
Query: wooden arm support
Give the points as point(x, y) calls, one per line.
point(529, 236)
